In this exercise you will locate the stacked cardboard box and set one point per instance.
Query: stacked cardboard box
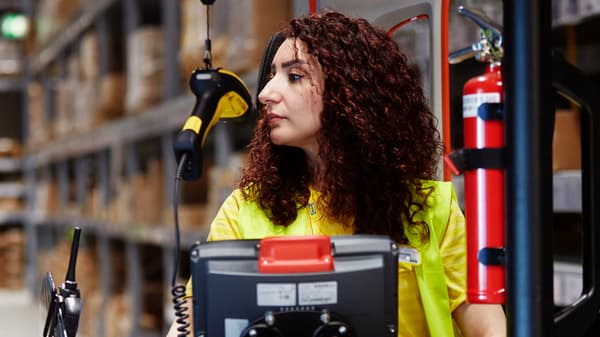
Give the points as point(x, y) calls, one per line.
point(52, 15)
point(262, 18)
point(145, 69)
point(56, 261)
point(223, 180)
point(119, 207)
point(193, 34)
point(88, 321)
point(86, 82)
point(111, 99)
point(11, 197)
point(38, 130)
point(12, 258)
point(11, 63)
point(237, 44)
point(117, 317)
point(148, 194)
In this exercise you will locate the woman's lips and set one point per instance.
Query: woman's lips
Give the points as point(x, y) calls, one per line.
point(274, 118)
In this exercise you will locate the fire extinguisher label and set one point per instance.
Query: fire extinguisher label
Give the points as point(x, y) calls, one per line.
point(472, 102)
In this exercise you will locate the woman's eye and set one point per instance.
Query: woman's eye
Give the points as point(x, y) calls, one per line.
point(294, 77)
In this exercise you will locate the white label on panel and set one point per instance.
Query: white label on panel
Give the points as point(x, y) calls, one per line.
point(235, 326)
point(317, 293)
point(472, 102)
point(275, 294)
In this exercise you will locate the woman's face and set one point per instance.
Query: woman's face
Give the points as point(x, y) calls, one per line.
point(294, 97)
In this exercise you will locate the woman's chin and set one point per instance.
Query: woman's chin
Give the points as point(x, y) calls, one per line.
point(277, 139)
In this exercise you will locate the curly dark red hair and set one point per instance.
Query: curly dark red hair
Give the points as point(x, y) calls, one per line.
point(378, 139)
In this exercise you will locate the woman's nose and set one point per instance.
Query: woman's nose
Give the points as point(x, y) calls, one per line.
point(268, 94)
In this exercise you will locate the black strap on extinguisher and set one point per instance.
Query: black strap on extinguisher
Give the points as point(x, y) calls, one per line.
point(466, 159)
point(491, 256)
point(490, 111)
point(471, 159)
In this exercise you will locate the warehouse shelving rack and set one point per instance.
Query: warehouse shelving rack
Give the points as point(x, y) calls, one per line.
point(11, 84)
point(12, 187)
point(102, 154)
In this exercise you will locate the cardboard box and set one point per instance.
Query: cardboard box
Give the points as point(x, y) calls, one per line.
point(90, 55)
point(249, 36)
point(10, 147)
point(39, 132)
point(145, 69)
point(148, 194)
point(193, 35)
point(111, 100)
point(566, 144)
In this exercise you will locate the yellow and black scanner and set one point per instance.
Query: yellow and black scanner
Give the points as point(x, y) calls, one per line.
point(220, 94)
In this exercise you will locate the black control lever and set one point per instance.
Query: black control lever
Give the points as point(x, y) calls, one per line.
point(63, 303)
point(70, 292)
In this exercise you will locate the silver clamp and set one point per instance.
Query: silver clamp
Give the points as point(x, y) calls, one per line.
point(489, 48)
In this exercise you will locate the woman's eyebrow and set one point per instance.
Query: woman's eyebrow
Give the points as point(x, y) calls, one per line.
point(289, 63)
point(292, 63)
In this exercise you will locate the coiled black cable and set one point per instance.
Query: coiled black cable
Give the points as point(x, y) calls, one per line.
point(181, 314)
point(178, 290)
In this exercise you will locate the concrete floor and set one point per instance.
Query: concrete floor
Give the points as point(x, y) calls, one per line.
point(20, 314)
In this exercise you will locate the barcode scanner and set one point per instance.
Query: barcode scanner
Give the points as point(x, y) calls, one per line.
point(220, 94)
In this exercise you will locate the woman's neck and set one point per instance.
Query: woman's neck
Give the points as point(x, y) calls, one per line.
point(315, 167)
point(317, 177)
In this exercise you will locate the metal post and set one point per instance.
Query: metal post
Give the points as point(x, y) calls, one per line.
point(134, 268)
point(31, 229)
point(102, 30)
point(169, 168)
point(81, 183)
point(168, 249)
point(171, 23)
point(223, 144)
point(529, 172)
point(104, 253)
point(131, 17)
point(134, 284)
point(62, 176)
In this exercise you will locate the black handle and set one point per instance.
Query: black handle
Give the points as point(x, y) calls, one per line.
point(70, 277)
point(71, 297)
point(576, 319)
point(189, 140)
point(482, 21)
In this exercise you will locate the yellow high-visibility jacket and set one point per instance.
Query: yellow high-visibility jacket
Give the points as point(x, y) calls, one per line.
point(428, 290)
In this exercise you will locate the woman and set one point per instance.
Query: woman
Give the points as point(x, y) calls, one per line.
point(345, 143)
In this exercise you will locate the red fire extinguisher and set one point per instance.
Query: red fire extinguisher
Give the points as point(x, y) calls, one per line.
point(481, 162)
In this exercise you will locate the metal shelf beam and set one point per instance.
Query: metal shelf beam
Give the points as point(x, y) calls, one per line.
point(167, 116)
point(8, 165)
point(145, 234)
point(9, 217)
point(69, 33)
point(11, 84)
point(12, 189)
